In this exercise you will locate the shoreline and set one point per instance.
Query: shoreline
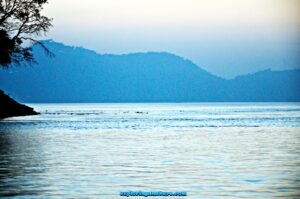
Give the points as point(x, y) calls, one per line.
point(10, 108)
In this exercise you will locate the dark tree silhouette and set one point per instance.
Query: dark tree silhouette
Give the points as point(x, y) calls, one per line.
point(20, 22)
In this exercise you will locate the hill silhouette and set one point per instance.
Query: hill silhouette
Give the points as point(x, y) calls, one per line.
point(80, 75)
point(11, 108)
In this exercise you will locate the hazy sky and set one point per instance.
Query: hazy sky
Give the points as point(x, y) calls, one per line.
point(225, 37)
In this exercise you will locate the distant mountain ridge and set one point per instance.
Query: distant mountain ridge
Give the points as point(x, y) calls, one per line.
point(81, 75)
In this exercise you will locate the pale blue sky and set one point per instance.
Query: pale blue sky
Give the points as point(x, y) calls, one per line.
point(225, 37)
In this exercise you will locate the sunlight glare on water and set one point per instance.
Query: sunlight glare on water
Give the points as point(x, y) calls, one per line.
point(248, 150)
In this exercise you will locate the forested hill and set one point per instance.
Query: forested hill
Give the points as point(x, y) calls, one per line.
point(80, 75)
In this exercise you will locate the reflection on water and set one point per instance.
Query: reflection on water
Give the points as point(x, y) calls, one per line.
point(93, 151)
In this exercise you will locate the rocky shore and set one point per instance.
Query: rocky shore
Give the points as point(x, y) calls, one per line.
point(11, 108)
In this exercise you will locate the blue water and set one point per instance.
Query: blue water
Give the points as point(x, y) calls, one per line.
point(226, 150)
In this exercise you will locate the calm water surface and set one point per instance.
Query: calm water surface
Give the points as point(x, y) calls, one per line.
point(97, 150)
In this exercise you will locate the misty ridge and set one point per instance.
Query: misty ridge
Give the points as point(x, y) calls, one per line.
point(80, 75)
